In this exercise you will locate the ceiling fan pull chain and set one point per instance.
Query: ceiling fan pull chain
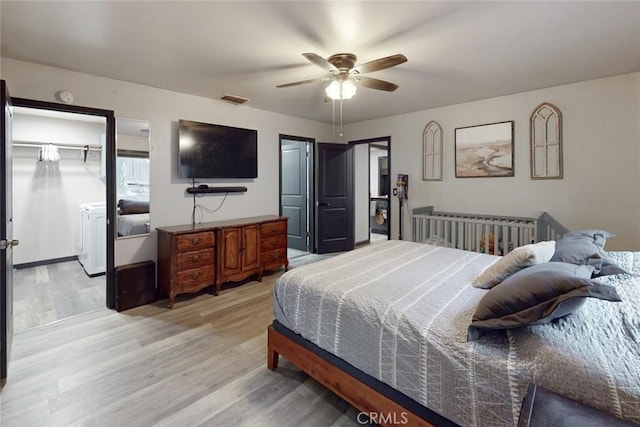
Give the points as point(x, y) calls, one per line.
point(333, 119)
point(341, 115)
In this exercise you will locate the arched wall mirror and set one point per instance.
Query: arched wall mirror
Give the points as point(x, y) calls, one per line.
point(132, 178)
point(546, 142)
point(432, 152)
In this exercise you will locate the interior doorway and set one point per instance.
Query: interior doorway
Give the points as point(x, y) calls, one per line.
point(296, 193)
point(373, 187)
point(60, 179)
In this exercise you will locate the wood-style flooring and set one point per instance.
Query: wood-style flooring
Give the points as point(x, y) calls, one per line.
point(48, 293)
point(202, 363)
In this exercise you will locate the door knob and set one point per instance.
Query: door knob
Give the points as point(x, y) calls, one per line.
point(5, 244)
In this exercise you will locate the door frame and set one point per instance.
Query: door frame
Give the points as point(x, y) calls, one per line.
point(370, 142)
point(6, 218)
point(311, 200)
point(110, 146)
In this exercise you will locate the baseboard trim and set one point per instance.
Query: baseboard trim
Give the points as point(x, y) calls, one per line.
point(45, 262)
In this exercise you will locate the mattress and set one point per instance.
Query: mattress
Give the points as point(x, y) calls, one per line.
point(132, 224)
point(399, 311)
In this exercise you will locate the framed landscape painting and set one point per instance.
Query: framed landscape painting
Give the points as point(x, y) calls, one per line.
point(484, 150)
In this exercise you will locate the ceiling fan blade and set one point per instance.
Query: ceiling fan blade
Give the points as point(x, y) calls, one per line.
point(320, 61)
point(375, 83)
point(304, 82)
point(381, 64)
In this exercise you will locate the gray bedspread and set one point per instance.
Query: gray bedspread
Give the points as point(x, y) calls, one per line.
point(132, 224)
point(399, 311)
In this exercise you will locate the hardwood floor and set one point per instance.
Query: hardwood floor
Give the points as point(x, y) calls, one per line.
point(295, 253)
point(48, 293)
point(376, 237)
point(201, 363)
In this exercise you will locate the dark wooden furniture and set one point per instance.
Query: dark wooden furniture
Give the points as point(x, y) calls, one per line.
point(239, 253)
point(193, 257)
point(360, 395)
point(135, 284)
point(186, 260)
point(273, 245)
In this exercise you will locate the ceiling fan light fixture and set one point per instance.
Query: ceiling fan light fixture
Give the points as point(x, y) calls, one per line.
point(341, 89)
point(348, 89)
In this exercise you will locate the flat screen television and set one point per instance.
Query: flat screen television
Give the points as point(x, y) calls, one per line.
point(216, 151)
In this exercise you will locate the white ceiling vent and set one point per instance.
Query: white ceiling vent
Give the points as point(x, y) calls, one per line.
point(234, 99)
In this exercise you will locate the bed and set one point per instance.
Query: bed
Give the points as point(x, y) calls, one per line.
point(133, 224)
point(133, 217)
point(385, 327)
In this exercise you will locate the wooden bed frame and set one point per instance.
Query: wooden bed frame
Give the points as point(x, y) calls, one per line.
point(358, 394)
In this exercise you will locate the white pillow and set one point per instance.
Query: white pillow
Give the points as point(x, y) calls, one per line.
point(519, 258)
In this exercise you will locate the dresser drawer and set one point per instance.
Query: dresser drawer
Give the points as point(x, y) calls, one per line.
point(277, 256)
point(194, 279)
point(193, 259)
point(274, 242)
point(187, 242)
point(273, 228)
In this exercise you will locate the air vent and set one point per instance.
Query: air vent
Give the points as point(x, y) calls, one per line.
point(234, 99)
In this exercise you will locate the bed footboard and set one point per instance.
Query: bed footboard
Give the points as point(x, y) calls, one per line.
point(363, 397)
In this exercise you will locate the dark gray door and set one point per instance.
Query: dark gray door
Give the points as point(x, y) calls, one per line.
point(294, 200)
point(6, 234)
point(335, 201)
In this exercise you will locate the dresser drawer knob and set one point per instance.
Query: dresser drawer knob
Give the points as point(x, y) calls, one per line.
point(197, 275)
point(195, 241)
point(195, 259)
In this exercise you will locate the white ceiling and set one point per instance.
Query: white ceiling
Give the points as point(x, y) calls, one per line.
point(457, 51)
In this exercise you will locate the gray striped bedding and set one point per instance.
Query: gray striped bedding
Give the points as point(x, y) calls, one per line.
point(399, 311)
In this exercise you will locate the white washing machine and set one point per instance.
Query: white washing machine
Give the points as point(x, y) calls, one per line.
point(92, 237)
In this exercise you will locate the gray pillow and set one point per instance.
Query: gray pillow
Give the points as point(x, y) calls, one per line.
point(586, 247)
point(537, 295)
point(128, 207)
point(599, 237)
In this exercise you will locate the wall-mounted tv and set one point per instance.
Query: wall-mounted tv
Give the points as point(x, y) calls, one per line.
point(216, 151)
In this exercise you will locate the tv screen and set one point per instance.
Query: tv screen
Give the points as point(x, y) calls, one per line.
point(216, 151)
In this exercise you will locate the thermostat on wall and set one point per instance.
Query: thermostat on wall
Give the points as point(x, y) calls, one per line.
point(64, 96)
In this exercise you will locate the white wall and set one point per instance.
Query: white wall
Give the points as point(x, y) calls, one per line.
point(130, 142)
point(46, 195)
point(170, 204)
point(601, 136)
point(601, 151)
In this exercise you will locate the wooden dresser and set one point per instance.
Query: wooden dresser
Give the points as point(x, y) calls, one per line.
point(273, 245)
point(193, 257)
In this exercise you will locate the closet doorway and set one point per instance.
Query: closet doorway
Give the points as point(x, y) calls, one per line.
point(61, 182)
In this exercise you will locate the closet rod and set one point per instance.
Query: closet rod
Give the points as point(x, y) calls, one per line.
point(69, 147)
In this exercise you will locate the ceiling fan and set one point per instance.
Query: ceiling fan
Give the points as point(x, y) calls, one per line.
point(345, 75)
